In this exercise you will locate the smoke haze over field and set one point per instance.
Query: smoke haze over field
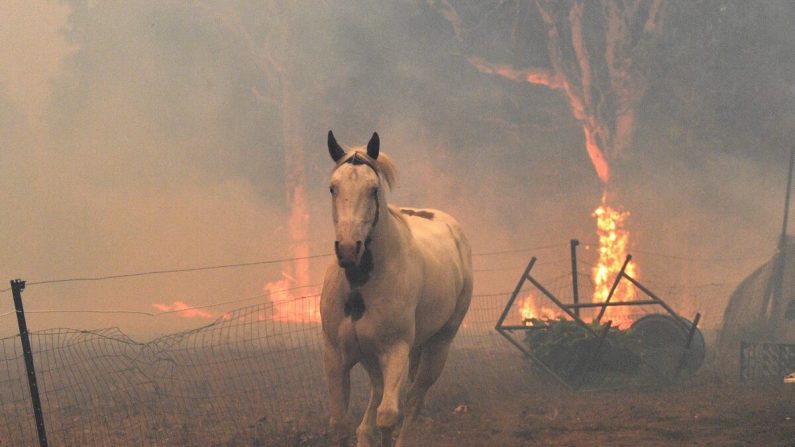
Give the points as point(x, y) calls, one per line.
point(140, 136)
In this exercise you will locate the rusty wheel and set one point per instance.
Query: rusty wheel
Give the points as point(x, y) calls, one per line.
point(660, 341)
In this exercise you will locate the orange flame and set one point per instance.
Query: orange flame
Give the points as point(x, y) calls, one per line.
point(183, 309)
point(597, 156)
point(529, 310)
point(613, 244)
point(298, 230)
point(289, 306)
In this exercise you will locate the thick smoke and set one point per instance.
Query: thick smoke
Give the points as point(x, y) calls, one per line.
point(141, 136)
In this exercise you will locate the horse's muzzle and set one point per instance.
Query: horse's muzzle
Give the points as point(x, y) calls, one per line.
point(348, 253)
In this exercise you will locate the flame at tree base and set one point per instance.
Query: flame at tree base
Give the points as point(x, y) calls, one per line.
point(287, 304)
point(613, 245)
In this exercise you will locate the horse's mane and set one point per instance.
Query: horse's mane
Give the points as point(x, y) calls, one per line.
point(383, 166)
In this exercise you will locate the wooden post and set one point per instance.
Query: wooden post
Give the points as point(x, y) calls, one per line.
point(782, 242)
point(17, 286)
point(777, 278)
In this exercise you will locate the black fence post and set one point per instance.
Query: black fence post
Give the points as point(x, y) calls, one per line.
point(575, 289)
point(17, 286)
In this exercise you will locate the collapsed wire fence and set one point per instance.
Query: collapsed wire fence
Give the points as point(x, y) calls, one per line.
point(251, 377)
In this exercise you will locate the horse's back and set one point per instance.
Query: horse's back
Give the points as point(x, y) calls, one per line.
point(439, 235)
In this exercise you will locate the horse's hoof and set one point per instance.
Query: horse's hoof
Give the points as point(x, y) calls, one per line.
point(386, 417)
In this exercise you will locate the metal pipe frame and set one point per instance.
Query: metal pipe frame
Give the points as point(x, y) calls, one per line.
point(506, 330)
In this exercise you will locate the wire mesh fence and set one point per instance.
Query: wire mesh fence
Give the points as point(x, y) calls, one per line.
point(252, 377)
point(766, 361)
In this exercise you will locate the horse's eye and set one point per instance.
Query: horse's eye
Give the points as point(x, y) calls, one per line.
point(331, 190)
point(375, 192)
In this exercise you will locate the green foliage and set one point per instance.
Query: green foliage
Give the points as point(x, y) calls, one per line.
point(571, 350)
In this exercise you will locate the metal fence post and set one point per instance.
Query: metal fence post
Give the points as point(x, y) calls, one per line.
point(17, 286)
point(575, 289)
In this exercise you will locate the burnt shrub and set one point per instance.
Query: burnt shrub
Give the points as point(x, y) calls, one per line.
point(573, 352)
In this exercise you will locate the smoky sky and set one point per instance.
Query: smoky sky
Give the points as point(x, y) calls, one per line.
point(149, 135)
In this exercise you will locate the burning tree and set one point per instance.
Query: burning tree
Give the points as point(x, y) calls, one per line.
point(262, 31)
point(593, 56)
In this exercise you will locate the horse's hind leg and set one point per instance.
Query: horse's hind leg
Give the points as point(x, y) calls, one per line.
point(338, 376)
point(367, 435)
point(431, 364)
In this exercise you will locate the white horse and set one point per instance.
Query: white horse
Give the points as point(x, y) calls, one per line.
point(394, 299)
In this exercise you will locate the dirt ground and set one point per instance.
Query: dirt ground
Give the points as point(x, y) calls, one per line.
point(699, 411)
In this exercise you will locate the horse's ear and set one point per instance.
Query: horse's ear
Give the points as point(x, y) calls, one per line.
point(334, 148)
point(372, 146)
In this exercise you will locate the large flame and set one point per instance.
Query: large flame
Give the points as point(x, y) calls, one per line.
point(613, 245)
point(289, 305)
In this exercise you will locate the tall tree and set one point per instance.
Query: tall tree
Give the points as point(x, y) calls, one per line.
point(593, 58)
point(593, 54)
point(263, 32)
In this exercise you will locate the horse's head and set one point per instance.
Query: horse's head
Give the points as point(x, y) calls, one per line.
point(357, 195)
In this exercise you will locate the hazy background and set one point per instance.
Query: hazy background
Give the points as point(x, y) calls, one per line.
point(139, 136)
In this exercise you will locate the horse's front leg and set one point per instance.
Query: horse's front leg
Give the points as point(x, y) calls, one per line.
point(338, 378)
point(394, 364)
point(366, 434)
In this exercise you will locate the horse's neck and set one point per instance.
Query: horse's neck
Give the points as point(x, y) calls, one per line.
point(387, 237)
